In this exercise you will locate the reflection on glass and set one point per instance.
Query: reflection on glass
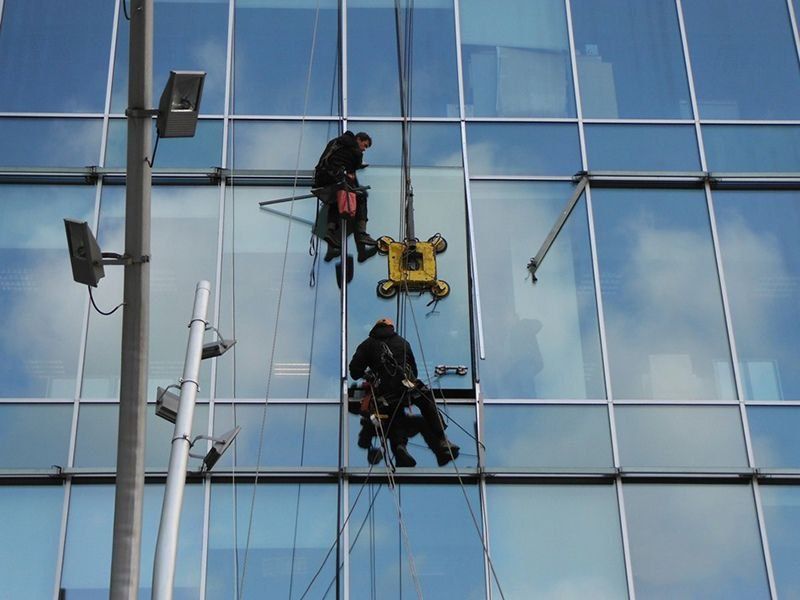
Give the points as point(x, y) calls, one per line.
point(440, 537)
point(516, 59)
point(661, 297)
point(694, 541)
point(460, 429)
point(295, 435)
point(761, 257)
point(98, 424)
point(752, 148)
point(432, 144)
point(680, 436)
point(630, 59)
point(34, 436)
point(184, 251)
point(781, 505)
point(281, 532)
point(556, 541)
point(542, 340)
point(42, 307)
point(54, 55)
point(188, 35)
point(730, 44)
point(523, 149)
point(548, 437)
point(49, 142)
point(274, 72)
point(773, 431)
point(642, 148)
point(372, 39)
point(87, 556)
point(275, 145)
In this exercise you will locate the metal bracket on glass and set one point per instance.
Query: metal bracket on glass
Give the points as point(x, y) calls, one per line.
point(141, 113)
point(440, 370)
point(112, 258)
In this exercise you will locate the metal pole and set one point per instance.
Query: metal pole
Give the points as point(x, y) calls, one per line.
point(136, 316)
point(167, 544)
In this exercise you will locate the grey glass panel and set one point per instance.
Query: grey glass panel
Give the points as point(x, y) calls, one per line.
point(188, 35)
point(556, 541)
point(694, 541)
point(30, 533)
point(295, 435)
point(431, 144)
point(41, 335)
point(34, 436)
point(542, 340)
point(781, 505)
point(680, 436)
point(437, 334)
point(441, 539)
point(87, 556)
point(523, 149)
point(98, 425)
point(547, 437)
point(516, 59)
point(282, 531)
point(50, 142)
point(183, 252)
point(773, 431)
point(275, 144)
point(372, 44)
point(661, 297)
point(459, 421)
point(274, 72)
point(642, 148)
point(54, 55)
point(288, 332)
point(752, 148)
point(630, 59)
point(761, 256)
point(202, 151)
point(730, 44)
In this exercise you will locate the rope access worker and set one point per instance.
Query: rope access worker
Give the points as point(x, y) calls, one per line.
point(389, 358)
point(336, 170)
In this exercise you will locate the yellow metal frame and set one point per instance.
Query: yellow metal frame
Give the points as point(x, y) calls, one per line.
point(422, 278)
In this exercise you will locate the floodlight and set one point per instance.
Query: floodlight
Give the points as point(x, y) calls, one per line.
point(221, 444)
point(180, 104)
point(84, 253)
point(167, 405)
point(216, 348)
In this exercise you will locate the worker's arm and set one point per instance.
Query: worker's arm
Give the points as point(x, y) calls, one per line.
point(358, 364)
point(412, 363)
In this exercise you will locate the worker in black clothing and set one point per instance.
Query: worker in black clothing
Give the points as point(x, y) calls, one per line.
point(389, 358)
point(336, 170)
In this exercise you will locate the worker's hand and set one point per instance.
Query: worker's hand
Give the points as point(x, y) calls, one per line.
point(350, 176)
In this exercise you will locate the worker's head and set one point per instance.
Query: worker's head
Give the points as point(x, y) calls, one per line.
point(363, 140)
point(384, 321)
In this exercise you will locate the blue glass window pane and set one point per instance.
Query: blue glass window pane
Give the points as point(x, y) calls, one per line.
point(188, 35)
point(663, 310)
point(694, 541)
point(432, 144)
point(202, 151)
point(630, 59)
point(185, 229)
point(761, 257)
point(752, 148)
point(34, 436)
point(54, 55)
point(516, 59)
point(295, 435)
point(272, 58)
point(773, 430)
point(30, 531)
point(441, 538)
point(547, 437)
point(274, 144)
point(731, 43)
point(642, 148)
point(781, 506)
point(523, 149)
point(282, 531)
point(680, 436)
point(556, 541)
point(35, 270)
point(542, 340)
point(372, 43)
point(50, 142)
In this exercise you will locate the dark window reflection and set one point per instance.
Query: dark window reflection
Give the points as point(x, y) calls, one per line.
point(782, 516)
point(50, 142)
point(642, 148)
point(34, 436)
point(773, 430)
point(752, 148)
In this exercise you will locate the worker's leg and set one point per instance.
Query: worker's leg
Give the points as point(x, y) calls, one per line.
point(332, 233)
point(433, 429)
point(365, 244)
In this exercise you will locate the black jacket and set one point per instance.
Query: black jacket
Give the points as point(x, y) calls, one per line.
point(388, 356)
point(341, 154)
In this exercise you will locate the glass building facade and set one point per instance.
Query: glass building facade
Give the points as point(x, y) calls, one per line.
point(628, 423)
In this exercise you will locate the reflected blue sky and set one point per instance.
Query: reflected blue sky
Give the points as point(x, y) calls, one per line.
point(782, 516)
point(34, 436)
point(642, 148)
point(752, 148)
point(774, 430)
point(50, 142)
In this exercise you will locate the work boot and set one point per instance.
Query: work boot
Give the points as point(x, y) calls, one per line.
point(446, 451)
point(402, 458)
point(331, 253)
point(374, 456)
point(365, 252)
point(365, 437)
point(361, 236)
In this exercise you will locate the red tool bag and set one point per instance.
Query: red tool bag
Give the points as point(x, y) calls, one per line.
point(346, 203)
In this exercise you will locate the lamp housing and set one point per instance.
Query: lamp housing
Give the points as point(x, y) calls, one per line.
point(221, 444)
point(167, 405)
point(84, 253)
point(179, 106)
point(216, 348)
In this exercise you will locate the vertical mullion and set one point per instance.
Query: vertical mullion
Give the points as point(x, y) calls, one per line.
point(762, 528)
point(687, 60)
point(576, 84)
point(792, 20)
point(62, 538)
point(626, 550)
